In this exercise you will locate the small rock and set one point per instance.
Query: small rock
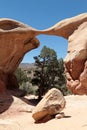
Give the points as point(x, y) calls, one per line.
point(60, 115)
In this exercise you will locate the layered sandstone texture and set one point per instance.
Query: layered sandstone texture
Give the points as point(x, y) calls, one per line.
point(16, 39)
point(51, 104)
point(75, 31)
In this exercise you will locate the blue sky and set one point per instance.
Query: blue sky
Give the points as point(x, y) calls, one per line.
point(42, 14)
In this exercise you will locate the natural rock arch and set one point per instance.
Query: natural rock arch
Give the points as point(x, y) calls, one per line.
point(75, 31)
point(16, 39)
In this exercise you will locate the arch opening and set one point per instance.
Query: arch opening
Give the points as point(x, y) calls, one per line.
point(57, 43)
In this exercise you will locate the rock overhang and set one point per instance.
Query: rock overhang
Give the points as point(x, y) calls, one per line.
point(23, 39)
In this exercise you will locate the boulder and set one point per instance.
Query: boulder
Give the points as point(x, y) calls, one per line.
point(51, 104)
point(16, 39)
point(75, 31)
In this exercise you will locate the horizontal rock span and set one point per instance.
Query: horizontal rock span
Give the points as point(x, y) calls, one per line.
point(17, 38)
point(75, 31)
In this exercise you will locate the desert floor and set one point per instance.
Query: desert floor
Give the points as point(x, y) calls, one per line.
point(18, 115)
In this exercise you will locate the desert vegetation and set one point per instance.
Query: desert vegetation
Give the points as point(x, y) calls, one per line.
point(47, 72)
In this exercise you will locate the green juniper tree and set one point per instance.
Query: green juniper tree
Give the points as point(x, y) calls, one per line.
point(21, 76)
point(49, 71)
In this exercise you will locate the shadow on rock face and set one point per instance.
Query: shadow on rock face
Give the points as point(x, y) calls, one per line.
point(45, 119)
point(6, 99)
point(5, 102)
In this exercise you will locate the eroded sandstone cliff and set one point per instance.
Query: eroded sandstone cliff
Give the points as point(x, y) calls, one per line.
point(15, 40)
point(75, 31)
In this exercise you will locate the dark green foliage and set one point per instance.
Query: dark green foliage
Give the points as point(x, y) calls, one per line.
point(24, 81)
point(49, 72)
point(21, 76)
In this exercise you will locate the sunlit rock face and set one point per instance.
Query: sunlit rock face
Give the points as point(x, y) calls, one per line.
point(16, 39)
point(75, 31)
point(52, 103)
point(76, 60)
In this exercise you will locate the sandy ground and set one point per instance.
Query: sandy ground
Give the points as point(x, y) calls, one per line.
point(19, 116)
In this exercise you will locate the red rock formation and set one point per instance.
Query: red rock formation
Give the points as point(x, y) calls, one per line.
point(75, 31)
point(75, 61)
point(15, 40)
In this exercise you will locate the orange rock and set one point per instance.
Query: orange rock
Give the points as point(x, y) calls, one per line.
point(16, 39)
point(51, 104)
point(75, 31)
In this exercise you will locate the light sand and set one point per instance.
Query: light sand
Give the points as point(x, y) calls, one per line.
point(18, 116)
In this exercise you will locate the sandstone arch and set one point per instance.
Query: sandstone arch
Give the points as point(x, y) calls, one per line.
point(75, 31)
point(17, 38)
